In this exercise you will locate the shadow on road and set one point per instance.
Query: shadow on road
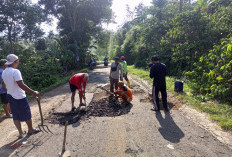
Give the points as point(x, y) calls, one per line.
point(169, 130)
point(24, 143)
point(3, 118)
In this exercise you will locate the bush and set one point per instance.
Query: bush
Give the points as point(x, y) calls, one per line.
point(212, 75)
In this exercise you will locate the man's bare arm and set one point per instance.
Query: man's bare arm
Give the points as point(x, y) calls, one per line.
point(4, 85)
point(24, 87)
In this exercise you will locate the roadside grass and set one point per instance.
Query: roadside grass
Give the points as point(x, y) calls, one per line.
point(61, 80)
point(219, 112)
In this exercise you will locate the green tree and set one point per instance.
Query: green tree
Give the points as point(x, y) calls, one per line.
point(80, 20)
point(18, 18)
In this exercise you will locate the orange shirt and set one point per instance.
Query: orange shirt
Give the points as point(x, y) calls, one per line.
point(127, 91)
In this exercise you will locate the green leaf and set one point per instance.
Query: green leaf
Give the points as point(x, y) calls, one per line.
point(219, 78)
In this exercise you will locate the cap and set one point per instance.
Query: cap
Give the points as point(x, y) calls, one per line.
point(122, 57)
point(116, 59)
point(11, 58)
point(2, 62)
point(154, 58)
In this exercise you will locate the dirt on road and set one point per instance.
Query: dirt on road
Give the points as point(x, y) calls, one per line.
point(108, 128)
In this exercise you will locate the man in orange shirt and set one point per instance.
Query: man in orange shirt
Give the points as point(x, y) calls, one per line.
point(78, 82)
point(124, 92)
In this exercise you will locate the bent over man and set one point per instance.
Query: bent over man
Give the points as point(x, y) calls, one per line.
point(78, 82)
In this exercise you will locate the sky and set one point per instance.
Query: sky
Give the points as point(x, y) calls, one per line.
point(119, 9)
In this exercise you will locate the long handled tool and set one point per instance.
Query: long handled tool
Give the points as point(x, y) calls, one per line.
point(85, 105)
point(64, 152)
point(101, 87)
point(41, 117)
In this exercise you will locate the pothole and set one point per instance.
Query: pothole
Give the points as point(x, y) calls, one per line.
point(105, 107)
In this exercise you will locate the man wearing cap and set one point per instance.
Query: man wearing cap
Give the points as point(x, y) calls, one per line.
point(77, 82)
point(124, 92)
point(114, 74)
point(3, 94)
point(124, 68)
point(158, 72)
point(16, 95)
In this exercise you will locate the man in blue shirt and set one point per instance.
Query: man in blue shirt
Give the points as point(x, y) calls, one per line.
point(3, 93)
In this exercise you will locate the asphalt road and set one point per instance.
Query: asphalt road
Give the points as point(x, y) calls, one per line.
point(140, 132)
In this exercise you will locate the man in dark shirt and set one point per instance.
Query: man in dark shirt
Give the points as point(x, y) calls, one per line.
point(158, 71)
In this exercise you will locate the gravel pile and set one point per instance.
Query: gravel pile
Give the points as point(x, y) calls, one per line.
point(105, 107)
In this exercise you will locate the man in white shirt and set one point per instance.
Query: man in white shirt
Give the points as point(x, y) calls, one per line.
point(114, 74)
point(16, 95)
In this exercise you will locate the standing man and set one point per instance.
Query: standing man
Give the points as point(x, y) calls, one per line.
point(3, 94)
point(78, 82)
point(16, 95)
point(124, 68)
point(158, 71)
point(114, 74)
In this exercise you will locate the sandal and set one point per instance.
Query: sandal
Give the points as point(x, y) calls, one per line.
point(35, 131)
point(155, 109)
point(82, 104)
point(73, 109)
point(8, 116)
point(22, 135)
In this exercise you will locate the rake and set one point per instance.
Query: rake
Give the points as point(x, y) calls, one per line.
point(44, 127)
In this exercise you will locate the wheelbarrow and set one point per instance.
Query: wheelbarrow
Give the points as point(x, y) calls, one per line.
point(42, 127)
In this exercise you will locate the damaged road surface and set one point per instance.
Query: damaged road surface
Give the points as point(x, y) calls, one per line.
point(108, 128)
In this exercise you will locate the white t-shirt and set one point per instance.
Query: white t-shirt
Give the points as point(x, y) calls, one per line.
point(10, 76)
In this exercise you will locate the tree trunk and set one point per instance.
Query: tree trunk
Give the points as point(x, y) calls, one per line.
point(9, 26)
point(181, 5)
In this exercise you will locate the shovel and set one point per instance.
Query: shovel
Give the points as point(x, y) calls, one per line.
point(64, 152)
point(83, 108)
point(102, 87)
point(41, 117)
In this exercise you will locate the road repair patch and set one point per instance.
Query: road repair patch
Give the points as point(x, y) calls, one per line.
point(105, 107)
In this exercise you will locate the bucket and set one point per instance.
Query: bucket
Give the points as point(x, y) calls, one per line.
point(178, 86)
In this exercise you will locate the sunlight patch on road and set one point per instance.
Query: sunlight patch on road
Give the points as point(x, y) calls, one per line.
point(170, 146)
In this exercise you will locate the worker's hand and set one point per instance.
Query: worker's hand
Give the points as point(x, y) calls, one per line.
point(36, 94)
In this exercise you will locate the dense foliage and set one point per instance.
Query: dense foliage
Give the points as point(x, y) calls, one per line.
point(44, 60)
point(212, 75)
point(192, 39)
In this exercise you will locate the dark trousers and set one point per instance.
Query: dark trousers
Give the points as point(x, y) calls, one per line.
point(113, 83)
point(163, 91)
point(125, 76)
